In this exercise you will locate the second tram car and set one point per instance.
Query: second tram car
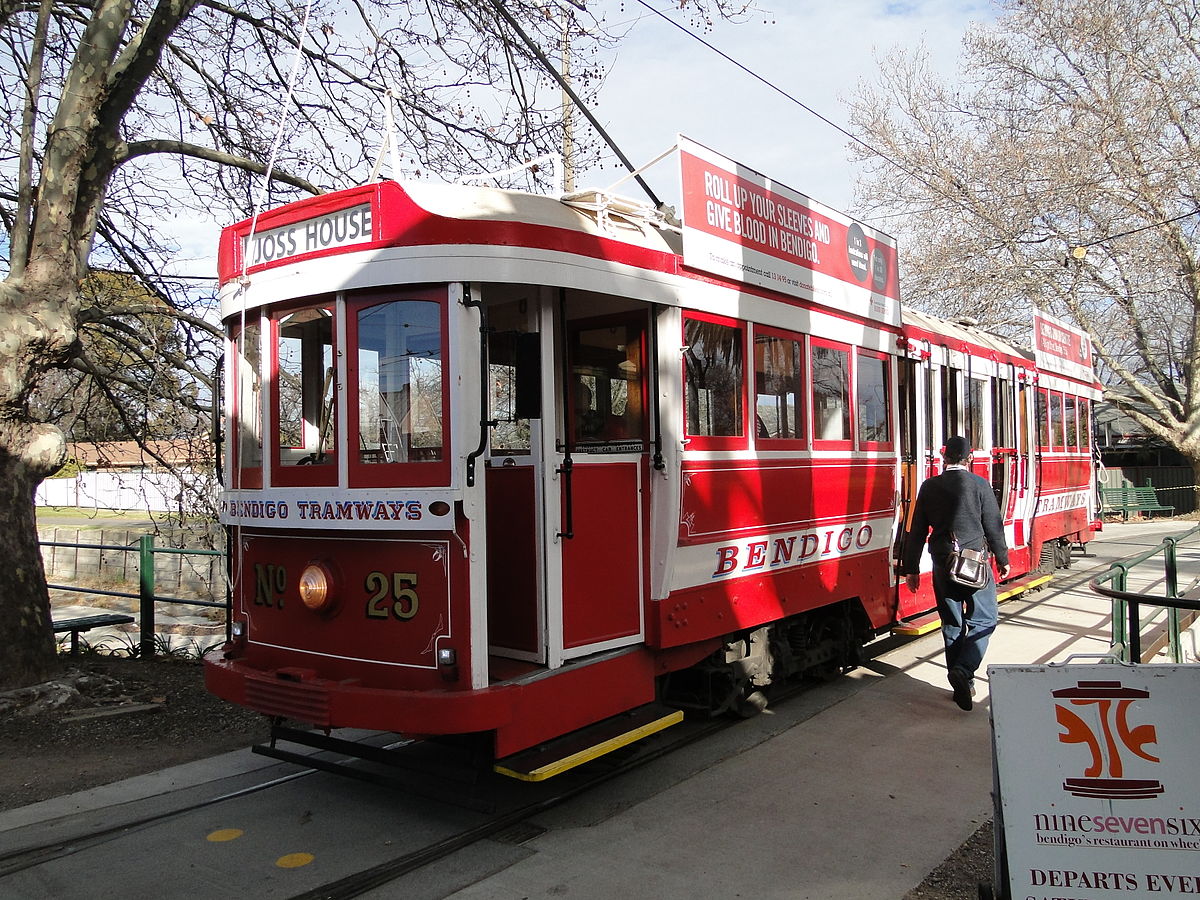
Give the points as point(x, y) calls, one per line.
point(512, 466)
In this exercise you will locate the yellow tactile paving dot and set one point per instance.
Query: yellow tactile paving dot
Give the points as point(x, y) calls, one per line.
point(294, 860)
point(224, 834)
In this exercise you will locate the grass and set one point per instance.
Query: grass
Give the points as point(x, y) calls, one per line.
point(113, 515)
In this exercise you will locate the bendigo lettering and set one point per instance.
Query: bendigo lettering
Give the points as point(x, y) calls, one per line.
point(782, 552)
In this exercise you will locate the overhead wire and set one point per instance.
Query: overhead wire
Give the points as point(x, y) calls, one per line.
point(804, 106)
point(874, 150)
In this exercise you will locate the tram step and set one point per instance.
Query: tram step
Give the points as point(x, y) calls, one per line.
point(927, 622)
point(918, 625)
point(1020, 586)
point(586, 744)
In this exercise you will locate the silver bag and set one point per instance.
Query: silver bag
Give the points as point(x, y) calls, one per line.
point(970, 568)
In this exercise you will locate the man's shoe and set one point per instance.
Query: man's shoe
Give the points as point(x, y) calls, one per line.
point(960, 681)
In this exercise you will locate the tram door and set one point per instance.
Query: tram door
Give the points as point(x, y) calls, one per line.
point(602, 479)
point(1004, 451)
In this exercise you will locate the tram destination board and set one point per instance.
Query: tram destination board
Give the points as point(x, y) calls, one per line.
point(1095, 765)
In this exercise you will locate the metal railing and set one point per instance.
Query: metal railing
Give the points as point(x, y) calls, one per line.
point(146, 596)
point(1127, 605)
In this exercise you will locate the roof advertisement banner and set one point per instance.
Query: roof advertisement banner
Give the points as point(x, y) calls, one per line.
point(741, 225)
point(1095, 765)
point(1061, 347)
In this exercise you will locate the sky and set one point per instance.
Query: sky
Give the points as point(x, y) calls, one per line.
point(661, 82)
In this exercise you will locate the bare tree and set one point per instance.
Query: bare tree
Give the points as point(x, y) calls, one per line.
point(1063, 169)
point(133, 111)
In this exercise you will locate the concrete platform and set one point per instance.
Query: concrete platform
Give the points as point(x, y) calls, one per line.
point(856, 791)
point(859, 802)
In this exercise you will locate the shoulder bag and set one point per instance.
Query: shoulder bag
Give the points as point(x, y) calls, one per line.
point(968, 567)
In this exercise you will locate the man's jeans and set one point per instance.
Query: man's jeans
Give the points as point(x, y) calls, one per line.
point(968, 618)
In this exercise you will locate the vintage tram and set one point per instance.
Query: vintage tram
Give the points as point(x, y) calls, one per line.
point(522, 467)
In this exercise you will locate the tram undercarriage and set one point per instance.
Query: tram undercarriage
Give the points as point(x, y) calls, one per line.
point(821, 644)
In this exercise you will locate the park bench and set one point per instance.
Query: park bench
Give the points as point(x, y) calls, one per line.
point(87, 623)
point(1127, 499)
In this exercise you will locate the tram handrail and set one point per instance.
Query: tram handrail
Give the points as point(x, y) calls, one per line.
point(1126, 604)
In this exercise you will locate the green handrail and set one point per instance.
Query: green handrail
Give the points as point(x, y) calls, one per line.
point(146, 595)
point(1126, 605)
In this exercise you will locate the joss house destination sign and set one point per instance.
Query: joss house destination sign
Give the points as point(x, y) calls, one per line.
point(341, 228)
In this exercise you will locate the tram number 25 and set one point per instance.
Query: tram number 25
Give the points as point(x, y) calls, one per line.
point(394, 596)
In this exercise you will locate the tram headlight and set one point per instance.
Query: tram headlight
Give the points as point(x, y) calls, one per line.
point(317, 587)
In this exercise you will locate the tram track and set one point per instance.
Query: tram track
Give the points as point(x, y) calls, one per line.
point(14, 861)
point(355, 884)
point(358, 883)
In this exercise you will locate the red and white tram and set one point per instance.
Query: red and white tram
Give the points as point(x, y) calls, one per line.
point(512, 466)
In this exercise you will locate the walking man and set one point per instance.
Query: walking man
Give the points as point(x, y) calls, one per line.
point(958, 504)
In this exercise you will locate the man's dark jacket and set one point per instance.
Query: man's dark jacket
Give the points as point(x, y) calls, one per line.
point(958, 503)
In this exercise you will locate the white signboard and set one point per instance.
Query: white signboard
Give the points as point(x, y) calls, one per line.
point(739, 224)
point(1096, 766)
point(1060, 347)
point(326, 232)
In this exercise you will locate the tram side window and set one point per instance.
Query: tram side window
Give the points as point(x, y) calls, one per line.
point(305, 414)
point(607, 373)
point(714, 373)
point(951, 405)
point(1042, 420)
point(248, 403)
point(871, 406)
point(1001, 413)
point(1085, 425)
point(778, 386)
point(400, 382)
point(975, 411)
point(1070, 423)
point(831, 393)
point(1056, 420)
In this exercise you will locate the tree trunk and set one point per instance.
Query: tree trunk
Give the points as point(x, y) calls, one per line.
point(26, 453)
point(1195, 483)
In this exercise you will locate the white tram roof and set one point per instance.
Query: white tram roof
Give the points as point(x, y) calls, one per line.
point(959, 331)
point(956, 334)
point(591, 212)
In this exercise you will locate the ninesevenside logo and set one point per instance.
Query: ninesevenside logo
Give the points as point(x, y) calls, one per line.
point(1096, 715)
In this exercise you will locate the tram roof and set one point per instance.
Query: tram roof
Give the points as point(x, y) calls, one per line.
point(410, 212)
point(591, 211)
point(956, 331)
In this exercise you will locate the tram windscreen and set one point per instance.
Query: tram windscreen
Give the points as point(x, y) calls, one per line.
point(305, 412)
point(400, 382)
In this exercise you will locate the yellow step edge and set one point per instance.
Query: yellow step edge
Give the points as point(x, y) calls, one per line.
point(917, 627)
point(1022, 588)
point(576, 759)
point(930, 622)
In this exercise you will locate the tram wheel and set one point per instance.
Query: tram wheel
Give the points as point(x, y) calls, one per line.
point(751, 705)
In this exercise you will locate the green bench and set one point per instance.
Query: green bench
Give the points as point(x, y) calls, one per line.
point(1127, 499)
point(87, 623)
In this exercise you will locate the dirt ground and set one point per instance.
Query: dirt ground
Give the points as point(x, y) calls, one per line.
point(107, 718)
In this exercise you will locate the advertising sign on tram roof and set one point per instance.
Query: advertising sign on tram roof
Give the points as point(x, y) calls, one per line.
point(1061, 347)
point(740, 224)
